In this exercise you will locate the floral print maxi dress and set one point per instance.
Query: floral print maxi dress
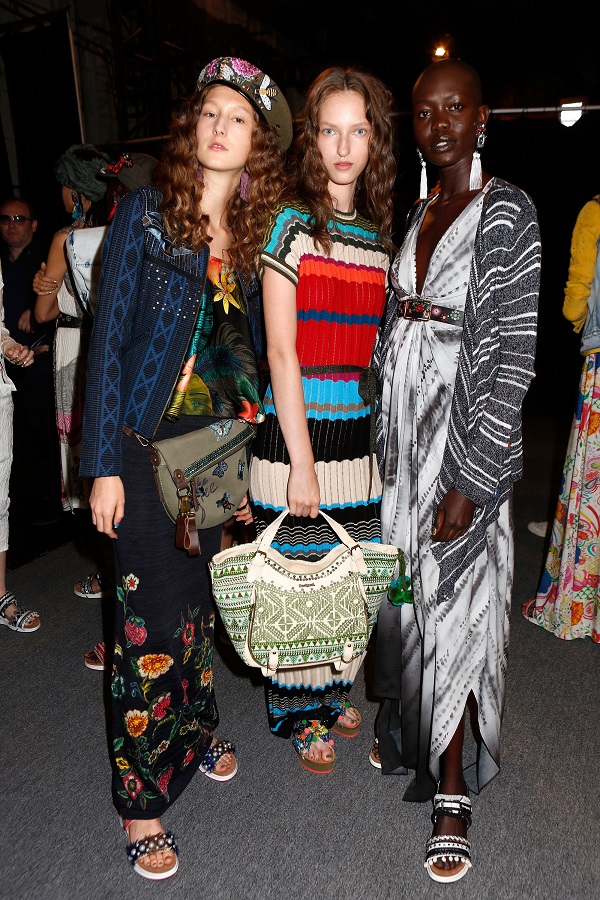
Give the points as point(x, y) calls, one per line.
point(164, 710)
point(568, 601)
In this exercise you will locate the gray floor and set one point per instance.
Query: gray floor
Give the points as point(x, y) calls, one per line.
point(276, 830)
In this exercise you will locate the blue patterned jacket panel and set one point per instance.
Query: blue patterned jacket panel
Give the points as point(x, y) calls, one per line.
point(149, 299)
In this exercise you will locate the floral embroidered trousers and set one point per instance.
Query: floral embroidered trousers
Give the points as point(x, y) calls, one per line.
point(163, 705)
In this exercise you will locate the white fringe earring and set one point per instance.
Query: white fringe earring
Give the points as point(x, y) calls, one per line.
point(423, 186)
point(475, 180)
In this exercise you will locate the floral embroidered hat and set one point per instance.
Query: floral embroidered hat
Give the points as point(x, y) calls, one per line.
point(258, 88)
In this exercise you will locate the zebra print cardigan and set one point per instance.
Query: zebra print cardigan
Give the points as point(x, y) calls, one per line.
point(483, 455)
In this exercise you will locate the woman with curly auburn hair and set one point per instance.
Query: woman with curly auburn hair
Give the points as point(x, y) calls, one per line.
point(324, 288)
point(174, 349)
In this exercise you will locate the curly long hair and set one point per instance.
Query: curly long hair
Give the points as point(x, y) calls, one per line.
point(374, 191)
point(181, 186)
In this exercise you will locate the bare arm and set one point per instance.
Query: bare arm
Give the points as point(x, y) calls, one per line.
point(46, 305)
point(279, 301)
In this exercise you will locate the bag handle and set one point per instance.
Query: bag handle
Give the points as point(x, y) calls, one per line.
point(266, 539)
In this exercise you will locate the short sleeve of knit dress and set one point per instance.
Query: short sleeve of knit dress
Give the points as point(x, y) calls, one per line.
point(340, 298)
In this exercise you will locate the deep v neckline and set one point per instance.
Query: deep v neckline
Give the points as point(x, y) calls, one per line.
point(443, 237)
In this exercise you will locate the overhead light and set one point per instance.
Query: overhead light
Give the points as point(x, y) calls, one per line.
point(570, 112)
point(440, 52)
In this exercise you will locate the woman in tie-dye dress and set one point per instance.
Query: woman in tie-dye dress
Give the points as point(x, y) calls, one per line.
point(454, 357)
point(324, 289)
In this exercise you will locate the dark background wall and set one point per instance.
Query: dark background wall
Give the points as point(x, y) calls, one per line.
point(149, 53)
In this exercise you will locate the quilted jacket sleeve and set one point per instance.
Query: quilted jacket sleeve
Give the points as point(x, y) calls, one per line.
point(122, 257)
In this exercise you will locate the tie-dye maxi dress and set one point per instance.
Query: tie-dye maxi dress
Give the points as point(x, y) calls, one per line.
point(430, 657)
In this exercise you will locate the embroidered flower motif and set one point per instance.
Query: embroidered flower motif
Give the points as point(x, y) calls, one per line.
point(226, 282)
point(188, 633)
point(207, 676)
point(153, 665)
point(130, 582)
point(185, 684)
point(117, 687)
point(164, 780)
point(241, 67)
point(188, 758)
point(122, 764)
point(249, 412)
point(135, 631)
point(133, 785)
point(136, 722)
point(158, 709)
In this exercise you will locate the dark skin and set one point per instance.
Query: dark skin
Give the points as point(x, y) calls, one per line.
point(447, 111)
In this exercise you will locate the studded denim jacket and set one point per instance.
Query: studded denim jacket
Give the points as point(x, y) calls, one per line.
point(149, 299)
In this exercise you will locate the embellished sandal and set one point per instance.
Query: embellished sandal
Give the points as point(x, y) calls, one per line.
point(212, 757)
point(349, 731)
point(152, 843)
point(304, 735)
point(374, 758)
point(528, 610)
point(21, 619)
point(85, 588)
point(95, 659)
point(449, 848)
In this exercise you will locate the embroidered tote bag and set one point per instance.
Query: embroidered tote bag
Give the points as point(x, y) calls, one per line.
point(288, 613)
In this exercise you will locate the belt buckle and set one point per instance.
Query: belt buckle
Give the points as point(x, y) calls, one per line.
point(418, 309)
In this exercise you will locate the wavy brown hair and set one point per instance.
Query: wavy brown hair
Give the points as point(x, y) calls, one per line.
point(373, 198)
point(181, 187)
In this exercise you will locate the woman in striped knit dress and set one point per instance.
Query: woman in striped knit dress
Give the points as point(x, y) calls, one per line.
point(324, 287)
point(455, 357)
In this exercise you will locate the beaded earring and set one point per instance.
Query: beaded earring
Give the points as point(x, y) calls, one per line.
point(423, 185)
point(244, 182)
point(475, 179)
point(77, 207)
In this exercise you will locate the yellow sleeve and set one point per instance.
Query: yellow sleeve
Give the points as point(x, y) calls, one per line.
point(582, 265)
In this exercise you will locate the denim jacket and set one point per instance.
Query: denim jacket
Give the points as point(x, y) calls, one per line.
point(149, 300)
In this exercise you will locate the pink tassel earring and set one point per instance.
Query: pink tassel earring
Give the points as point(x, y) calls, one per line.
point(200, 173)
point(244, 182)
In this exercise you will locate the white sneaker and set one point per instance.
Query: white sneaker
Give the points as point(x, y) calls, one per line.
point(539, 528)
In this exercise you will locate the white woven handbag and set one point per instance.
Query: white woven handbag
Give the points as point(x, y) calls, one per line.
point(281, 612)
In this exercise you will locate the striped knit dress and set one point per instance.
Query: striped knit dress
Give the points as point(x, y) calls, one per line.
point(340, 301)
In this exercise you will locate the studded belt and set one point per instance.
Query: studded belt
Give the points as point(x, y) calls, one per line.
point(424, 310)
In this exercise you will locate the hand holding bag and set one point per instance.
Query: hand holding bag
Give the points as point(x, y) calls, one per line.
point(201, 477)
point(288, 613)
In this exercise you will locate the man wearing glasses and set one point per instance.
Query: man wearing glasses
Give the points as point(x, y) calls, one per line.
point(34, 427)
